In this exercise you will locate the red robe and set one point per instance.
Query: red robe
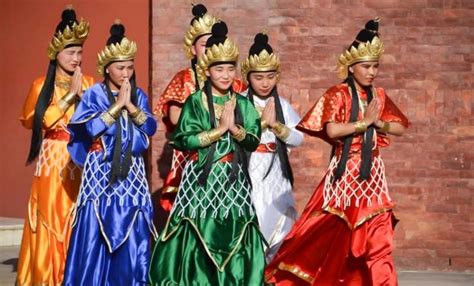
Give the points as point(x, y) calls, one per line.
point(348, 222)
point(181, 86)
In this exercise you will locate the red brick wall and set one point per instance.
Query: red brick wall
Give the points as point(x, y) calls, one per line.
point(427, 70)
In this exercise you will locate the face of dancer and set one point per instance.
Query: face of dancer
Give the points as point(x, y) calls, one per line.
point(199, 47)
point(364, 73)
point(119, 71)
point(222, 76)
point(69, 58)
point(263, 82)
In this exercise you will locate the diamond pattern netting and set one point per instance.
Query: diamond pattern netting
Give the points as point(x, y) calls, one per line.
point(349, 189)
point(95, 182)
point(217, 197)
point(54, 156)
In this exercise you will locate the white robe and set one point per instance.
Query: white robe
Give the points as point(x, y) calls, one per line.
point(272, 196)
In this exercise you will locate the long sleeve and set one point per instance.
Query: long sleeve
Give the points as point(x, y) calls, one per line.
point(28, 111)
point(251, 124)
point(291, 120)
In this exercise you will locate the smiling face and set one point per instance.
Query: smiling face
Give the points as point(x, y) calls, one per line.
point(222, 76)
point(119, 71)
point(69, 58)
point(263, 82)
point(364, 72)
point(199, 47)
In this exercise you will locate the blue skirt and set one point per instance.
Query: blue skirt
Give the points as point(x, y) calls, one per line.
point(110, 242)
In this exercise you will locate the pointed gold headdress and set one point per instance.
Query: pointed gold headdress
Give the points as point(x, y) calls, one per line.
point(200, 26)
point(369, 48)
point(226, 52)
point(119, 48)
point(75, 35)
point(260, 63)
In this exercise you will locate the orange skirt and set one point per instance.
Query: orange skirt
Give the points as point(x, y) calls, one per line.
point(50, 214)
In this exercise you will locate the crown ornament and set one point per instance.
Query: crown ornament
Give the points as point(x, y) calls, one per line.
point(75, 35)
point(369, 51)
point(123, 51)
point(223, 52)
point(199, 27)
point(260, 63)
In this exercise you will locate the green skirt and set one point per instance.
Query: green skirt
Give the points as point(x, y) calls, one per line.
point(212, 236)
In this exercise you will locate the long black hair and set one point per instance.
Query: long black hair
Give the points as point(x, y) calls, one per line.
point(367, 143)
point(281, 146)
point(240, 156)
point(120, 168)
point(44, 99)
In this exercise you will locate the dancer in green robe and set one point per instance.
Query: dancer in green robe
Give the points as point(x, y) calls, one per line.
point(212, 236)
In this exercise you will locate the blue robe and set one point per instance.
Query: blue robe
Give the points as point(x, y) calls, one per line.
point(110, 242)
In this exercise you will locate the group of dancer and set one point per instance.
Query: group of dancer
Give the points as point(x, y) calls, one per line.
point(232, 217)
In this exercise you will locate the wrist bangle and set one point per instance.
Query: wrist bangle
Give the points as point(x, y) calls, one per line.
point(114, 111)
point(66, 101)
point(139, 117)
point(240, 135)
point(206, 138)
point(264, 124)
point(360, 126)
point(281, 131)
point(386, 127)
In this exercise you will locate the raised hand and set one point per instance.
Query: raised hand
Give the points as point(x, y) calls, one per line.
point(76, 82)
point(372, 112)
point(269, 113)
point(124, 96)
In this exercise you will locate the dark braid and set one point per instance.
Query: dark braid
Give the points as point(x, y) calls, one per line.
point(44, 99)
point(341, 166)
point(119, 169)
point(281, 146)
point(212, 149)
point(367, 142)
point(196, 79)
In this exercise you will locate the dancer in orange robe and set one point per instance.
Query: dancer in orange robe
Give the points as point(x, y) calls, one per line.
point(47, 110)
point(345, 234)
point(183, 84)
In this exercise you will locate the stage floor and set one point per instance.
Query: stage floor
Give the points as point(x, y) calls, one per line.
point(9, 255)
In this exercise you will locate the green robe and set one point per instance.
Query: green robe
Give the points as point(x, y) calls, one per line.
point(212, 235)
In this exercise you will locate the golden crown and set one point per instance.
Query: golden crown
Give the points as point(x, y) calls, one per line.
point(76, 35)
point(365, 52)
point(226, 52)
point(125, 51)
point(199, 27)
point(260, 63)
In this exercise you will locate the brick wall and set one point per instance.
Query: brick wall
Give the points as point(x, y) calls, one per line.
point(427, 70)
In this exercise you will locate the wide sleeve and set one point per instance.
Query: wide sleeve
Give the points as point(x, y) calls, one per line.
point(28, 111)
point(179, 88)
point(87, 124)
point(251, 121)
point(191, 122)
point(291, 121)
point(326, 110)
point(391, 113)
point(149, 126)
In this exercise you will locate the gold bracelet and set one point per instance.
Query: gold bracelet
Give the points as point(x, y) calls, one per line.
point(206, 138)
point(360, 126)
point(135, 113)
point(264, 124)
point(107, 118)
point(281, 131)
point(66, 101)
point(138, 117)
point(114, 110)
point(240, 135)
point(386, 127)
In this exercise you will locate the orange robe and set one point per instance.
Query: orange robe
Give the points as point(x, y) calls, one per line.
point(178, 90)
point(53, 193)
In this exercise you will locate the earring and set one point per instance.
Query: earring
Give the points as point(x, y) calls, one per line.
point(106, 71)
